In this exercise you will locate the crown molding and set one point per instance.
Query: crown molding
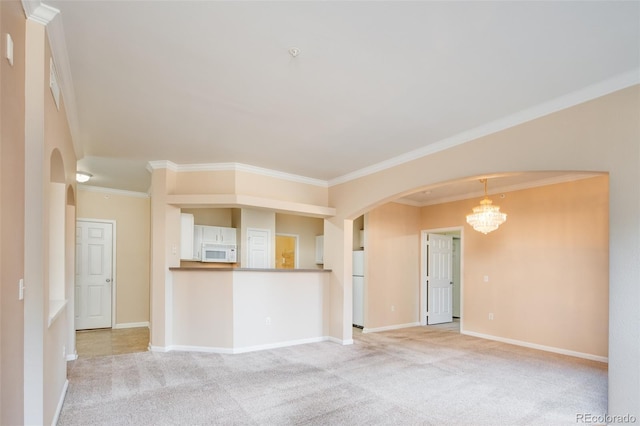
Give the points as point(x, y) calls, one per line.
point(39, 12)
point(123, 192)
point(619, 82)
point(236, 167)
point(569, 177)
point(162, 164)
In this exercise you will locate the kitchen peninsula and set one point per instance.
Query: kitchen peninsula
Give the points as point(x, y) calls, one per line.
point(237, 307)
point(233, 310)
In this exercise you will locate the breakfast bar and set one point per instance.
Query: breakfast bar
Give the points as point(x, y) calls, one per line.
point(234, 310)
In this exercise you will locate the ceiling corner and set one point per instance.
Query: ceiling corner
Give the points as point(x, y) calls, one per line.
point(39, 12)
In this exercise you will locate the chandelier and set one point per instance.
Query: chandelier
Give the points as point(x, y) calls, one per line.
point(486, 217)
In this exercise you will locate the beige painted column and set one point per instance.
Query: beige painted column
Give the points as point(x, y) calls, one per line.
point(165, 245)
point(338, 244)
point(34, 274)
point(157, 294)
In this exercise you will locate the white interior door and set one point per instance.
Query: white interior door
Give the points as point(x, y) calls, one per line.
point(439, 279)
point(94, 280)
point(259, 248)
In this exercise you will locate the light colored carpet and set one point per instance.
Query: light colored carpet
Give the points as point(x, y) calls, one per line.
point(420, 375)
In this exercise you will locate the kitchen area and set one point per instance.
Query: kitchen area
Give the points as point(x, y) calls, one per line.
point(230, 296)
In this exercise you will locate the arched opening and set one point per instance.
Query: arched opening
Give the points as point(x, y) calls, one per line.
point(71, 196)
point(551, 252)
point(56, 171)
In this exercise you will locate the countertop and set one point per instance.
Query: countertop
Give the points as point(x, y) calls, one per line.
point(227, 269)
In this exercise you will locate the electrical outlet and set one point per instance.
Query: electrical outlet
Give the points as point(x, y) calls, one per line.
point(491, 316)
point(267, 321)
point(393, 308)
point(486, 278)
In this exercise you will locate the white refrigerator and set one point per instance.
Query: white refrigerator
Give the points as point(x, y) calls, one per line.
point(358, 288)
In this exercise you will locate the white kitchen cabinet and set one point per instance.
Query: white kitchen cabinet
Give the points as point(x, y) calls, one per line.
point(186, 236)
point(229, 235)
point(320, 249)
point(211, 234)
point(198, 231)
point(218, 235)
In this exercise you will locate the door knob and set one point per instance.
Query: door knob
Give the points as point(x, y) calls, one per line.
point(108, 280)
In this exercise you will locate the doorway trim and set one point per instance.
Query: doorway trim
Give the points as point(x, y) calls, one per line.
point(423, 272)
point(114, 281)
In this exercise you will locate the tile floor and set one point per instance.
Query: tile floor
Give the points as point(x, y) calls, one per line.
point(107, 341)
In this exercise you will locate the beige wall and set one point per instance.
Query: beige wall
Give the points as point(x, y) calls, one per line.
point(280, 189)
point(221, 182)
point(306, 228)
point(132, 216)
point(202, 306)
point(295, 303)
point(211, 217)
point(548, 266)
point(599, 135)
point(12, 145)
point(392, 266)
point(246, 183)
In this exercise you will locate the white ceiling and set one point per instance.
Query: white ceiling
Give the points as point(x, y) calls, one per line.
point(375, 83)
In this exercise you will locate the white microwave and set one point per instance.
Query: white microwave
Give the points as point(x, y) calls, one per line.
point(223, 253)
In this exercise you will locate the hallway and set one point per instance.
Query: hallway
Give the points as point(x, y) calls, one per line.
point(108, 341)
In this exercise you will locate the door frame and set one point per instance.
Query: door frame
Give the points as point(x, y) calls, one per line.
point(114, 281)
point(423, 271)
point(297, 251)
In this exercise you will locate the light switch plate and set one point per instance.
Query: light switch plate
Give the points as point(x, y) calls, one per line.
point(9, 49)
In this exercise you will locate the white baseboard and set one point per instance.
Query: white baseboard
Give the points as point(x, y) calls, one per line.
point(245, 349)
point(340, 341)
point(206, 349)
point(279, 345)
point(63, 394)
point(390, 327)
point(72, 357)
point(539, 347)
point(132, 324)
